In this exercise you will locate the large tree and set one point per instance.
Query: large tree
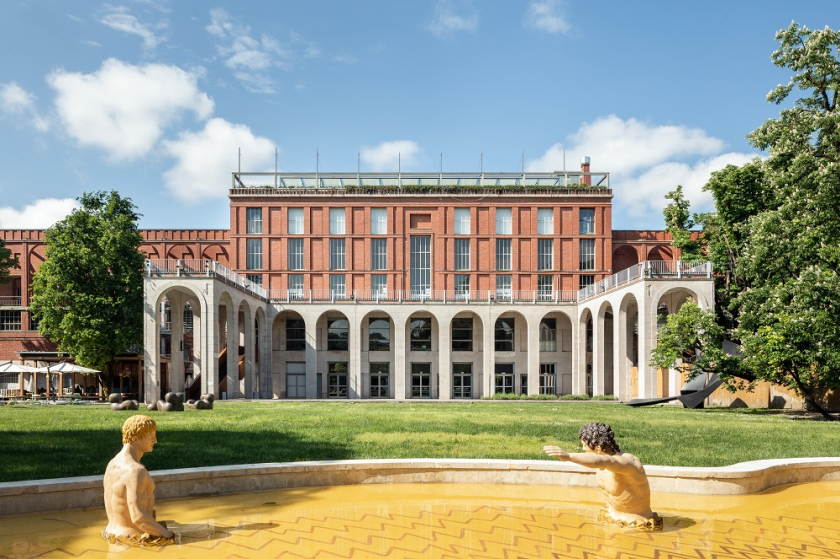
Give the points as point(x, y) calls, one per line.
point(88, 294)
point(775, 239)
point(7, 261)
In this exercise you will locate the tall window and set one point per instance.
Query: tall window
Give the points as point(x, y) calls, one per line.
point(587, 254)
point(337, 286)
point(254, 219)
point(379, 375)
point(295, 379)
point(379, 221)
point(337, 334)
point(296, 286)
point(548, 334)
point(462, 254)
point(503, 258)
point(295, 221)
point(254, 278)
point(421, 380)
point(545, 254)
point(548, 380)
point(379, 334)
point(462, 334)
point(421, 334)
point(10, 320)
point(545, 221)
point(586, 280)
point(462, 380)
point(253, 254)
point(504, 221)
point(379, 254)
point(337, 221)
point(504, 333)
point(503, 287)
point(295, 334)
point(462, 221)
point(295, 254)
point(421, 268)
point(336, 254)
point(379, 285)
point(545, 287)
point(462, 285)
point(587, 221)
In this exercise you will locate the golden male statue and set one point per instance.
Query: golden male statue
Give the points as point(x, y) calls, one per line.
point(130, 490)
point(620, 476)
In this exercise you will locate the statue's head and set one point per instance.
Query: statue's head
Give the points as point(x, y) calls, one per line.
point(599, 436)
point(138, 428)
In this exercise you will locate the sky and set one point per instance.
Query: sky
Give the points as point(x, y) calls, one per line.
point(154, 97)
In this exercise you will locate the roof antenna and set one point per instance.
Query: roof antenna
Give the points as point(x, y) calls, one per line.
point(275, 166)
point(317, 167)
point(481, 167)
point(358, 168)
point(440, 179)
point(523, 165)
point(399, 169)
point(239, 158)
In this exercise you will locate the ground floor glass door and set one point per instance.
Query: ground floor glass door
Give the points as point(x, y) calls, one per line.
point(421, 380)
point(504, 378)
point(337, 379)
point(462, 380)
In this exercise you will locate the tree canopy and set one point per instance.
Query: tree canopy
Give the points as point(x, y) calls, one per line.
point(774, 238)
point(88, 294)
point(7, 262)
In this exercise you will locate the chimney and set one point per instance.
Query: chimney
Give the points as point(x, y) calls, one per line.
point(584, 168)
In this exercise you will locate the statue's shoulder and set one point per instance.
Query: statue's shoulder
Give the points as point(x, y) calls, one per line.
point(631, 460)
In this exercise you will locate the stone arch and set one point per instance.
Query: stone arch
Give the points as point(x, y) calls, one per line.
point(661, 252)
point(586, 349)
point(150, 252)
point(603, 354)
point(215, 252)
point(422, 344)
point(333, 343)
point(627, 323)
point(466, 363)
point(624, 257)
point(288, 351)
point(377, 332)
point(672, 299)
point(510, 363)
point(244, 377)
point(262, 336)
point(556, 351)
point(180, 252)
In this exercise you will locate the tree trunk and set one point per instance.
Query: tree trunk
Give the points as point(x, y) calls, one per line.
point(810, 399)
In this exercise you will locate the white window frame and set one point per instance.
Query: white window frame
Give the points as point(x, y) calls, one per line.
point(338, 221)
point(545, 221)
point(462, 221)
point(379, 221)
point(504, 221)
point(295, 224)
point(253, 258)
point(294, 258)
point(253, 221)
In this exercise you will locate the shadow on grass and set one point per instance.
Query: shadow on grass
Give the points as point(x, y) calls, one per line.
point(65, 453)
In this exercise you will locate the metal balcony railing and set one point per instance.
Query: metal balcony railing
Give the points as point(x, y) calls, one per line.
point(649, 269)
point(10, 300)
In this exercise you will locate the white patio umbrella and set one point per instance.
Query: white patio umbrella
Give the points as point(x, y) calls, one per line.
point(10, 367)
point(65, 367)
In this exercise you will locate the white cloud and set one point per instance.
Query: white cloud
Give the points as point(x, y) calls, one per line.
point(383, 157)
point(545, 16)
point(37, 215)
point(449, 18)
point(645, 161)
point(120, 19)
point(14, 100)
point(204, 159)
point(124, 109)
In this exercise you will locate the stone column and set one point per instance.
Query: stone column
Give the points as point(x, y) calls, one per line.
point(578, 356)
point(444, 356)
point(488, 349)
point(232, 344)
point(250, 365)
point(620, 369)
point(265, 360)
point(647, 337)
point(354, 344)
point(399, 356)
point(311, 325)
point(533, 354)
point(176, 358)
point(151, 348)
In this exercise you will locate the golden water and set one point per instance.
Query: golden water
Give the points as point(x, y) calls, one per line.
point(453, 521)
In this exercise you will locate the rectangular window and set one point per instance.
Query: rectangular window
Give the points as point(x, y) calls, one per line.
point(337, 334)
point(462, 254)
point(254, 219)
point(504, 222)
point(587, 221)
point(421, 334)
point(545, 254)
point(462, 285)
point(337, 286)
point(462, 221)
point(503, 258)
point(587, 254)
point(505, 329)
point(295, 221)
point(545, 287)
point(503, 287)
point(295, 379)
point(462, 380)
point(548, 380)
point(523, 384)
point(420, 262)
point(548, 334)
point(586, 280)
point(504, 378)
point(295, 254)
point(379, 334)
point(379, 285)
point(253, 254)
point(379, 377)
point(462, 334)
point(545, 221)
point(337, 221)
point(379, 221)
point(336, 254)
point(295, 334)
point(10, 320)
point(337, 379)
point(421, 380)
point(254, 278)
point(296, 286)
point(379, 254)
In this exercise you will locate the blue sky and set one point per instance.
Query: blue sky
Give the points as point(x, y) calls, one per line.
point(153, 97)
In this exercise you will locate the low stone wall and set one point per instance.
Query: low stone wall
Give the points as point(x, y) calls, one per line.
point(23, 497)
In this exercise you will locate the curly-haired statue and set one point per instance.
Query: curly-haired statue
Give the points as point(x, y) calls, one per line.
point(620, 476)
point(130, 490)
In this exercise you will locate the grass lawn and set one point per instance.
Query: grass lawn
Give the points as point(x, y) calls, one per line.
point(56, 441)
